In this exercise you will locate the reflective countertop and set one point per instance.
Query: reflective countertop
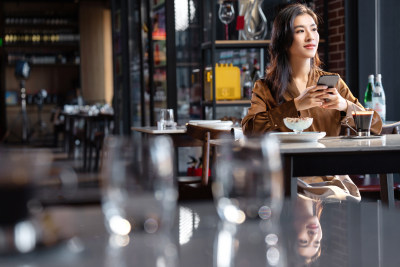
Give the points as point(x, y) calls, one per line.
point(364, 234)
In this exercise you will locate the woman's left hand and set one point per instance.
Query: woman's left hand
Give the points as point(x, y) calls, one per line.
point(333, 100)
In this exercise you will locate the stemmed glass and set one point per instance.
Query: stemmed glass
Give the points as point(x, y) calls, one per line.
point(226, 14)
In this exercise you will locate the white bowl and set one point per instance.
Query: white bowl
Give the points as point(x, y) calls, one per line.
point(298, 124)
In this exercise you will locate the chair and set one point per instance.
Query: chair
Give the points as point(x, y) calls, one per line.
point(205, 134)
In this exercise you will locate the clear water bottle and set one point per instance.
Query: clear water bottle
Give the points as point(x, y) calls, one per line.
point(379, 99)
point(369, 91)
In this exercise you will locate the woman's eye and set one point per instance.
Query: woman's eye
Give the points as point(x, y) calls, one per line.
point(315, 29)
point(299, 31)
point(302, 241)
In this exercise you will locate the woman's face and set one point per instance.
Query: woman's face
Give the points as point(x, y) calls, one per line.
point(305, 38)
point(309, 236)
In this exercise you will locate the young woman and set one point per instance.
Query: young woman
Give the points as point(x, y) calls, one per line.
point(290, 87)
point(290, 90)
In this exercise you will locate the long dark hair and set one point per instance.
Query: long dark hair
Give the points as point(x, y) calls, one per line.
point(279, 74)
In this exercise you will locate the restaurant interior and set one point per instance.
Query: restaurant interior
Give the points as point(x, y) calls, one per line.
point(121, 139)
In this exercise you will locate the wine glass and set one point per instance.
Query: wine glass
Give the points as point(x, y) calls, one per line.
point(226, 14)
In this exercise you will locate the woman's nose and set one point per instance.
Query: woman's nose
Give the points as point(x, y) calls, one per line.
point(309, 36)
point(312, 233)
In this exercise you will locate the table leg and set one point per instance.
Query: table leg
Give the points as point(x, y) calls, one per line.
point(68, 136)
point(387, 194)
point(85, 143)
point(290, 184)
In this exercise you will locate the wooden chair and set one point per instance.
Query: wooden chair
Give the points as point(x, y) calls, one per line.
point(205, 134)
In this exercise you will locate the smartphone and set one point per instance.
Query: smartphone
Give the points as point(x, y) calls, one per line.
point(328, 80)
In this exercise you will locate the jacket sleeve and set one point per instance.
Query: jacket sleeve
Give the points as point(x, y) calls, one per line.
point(354, 104)
point(264, 114)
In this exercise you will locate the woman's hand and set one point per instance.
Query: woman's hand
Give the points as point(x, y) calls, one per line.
point(333, 100)
point(311, 97)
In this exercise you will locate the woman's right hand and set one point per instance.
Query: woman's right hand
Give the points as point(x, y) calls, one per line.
point(311, 97)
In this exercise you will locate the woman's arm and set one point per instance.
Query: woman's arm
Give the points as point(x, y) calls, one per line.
point(265, 114)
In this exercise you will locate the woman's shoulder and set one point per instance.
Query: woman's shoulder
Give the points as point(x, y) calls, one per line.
point(261, 84)
point(261, 89)
point(320, 72)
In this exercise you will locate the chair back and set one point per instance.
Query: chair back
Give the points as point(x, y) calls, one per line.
point(205, 134)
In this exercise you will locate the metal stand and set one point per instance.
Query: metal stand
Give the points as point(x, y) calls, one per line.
point(22, 116)
point(40, 127)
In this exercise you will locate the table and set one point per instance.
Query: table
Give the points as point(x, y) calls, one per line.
point(362, 234)
point(90, 122)
point(337, 155)
point(178, 135)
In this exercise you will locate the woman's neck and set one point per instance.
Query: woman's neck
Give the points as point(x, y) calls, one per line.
point(300, 71)
point(300, 68)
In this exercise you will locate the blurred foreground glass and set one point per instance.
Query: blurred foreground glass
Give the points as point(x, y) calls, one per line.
point(20, 175)
point(248, 193)
point(139, 193)
point(249, 181)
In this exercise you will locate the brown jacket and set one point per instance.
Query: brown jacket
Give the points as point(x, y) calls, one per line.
point(266, 115)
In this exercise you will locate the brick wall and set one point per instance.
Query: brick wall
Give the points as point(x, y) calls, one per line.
point(336, 35)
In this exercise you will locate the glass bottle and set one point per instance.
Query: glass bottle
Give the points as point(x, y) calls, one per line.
point(368, 92)
point(247, 84)
point(255, 73)
point(379, 99)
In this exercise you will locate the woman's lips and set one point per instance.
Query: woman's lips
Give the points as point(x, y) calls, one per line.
point(309, 46)
point(312, 226)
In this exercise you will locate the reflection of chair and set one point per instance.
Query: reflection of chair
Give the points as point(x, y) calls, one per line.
point(205, 134)
point(369, 185)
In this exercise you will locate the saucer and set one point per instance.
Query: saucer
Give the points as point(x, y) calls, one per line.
point(287, 137)
point(362, 137)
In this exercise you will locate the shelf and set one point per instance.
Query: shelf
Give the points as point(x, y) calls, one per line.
point(226, 103)
point(49, 65)
point(187, 65)
point(221, 44)
point(42, 45)
point(236, 44)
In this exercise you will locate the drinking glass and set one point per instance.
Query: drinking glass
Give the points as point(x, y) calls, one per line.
point(248, 194)
point(226, 14)
point(166, 120)
point(139, 194)
point(249, 182)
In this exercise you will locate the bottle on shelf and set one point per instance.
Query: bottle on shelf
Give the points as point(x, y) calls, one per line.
point(369, 91)
point(255, 73)
point(247, 83)
point(379, 99)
